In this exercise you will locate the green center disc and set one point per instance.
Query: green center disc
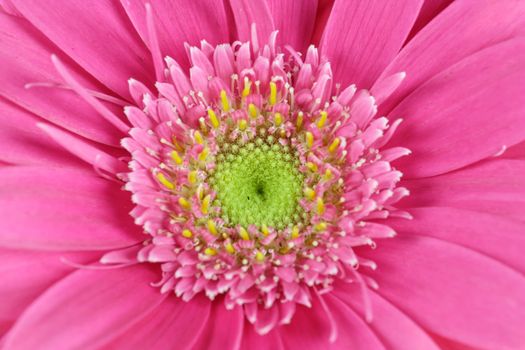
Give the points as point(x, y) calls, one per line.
point(258, 183)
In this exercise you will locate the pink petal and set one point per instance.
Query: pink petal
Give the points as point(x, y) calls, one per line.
point(270, 341)
point(362, 37)
point(181, 22)
point(461, 30)
point(26, 60)
point(295, 21)
point(310, 328)
point(97, 36)
point(452, 291)
point(515, 152)
point(324, 9)
point(25, 275)
point(450, 120)
point(495, 236)
point(8, 7)
point(22, 142)
point(354, 332)
point(247, 12)
point(174, 324)
point(496, 186)
point(395, 329)
point(224, 329)
point(88, 152)
point(63, 209)
point(86, 309)
point(429, 10)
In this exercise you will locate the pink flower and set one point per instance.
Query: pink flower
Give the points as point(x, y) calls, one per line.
point(236, 175)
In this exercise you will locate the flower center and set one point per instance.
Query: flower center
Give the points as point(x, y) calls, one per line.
point(258, 184)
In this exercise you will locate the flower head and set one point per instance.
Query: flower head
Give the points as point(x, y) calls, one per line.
point(258, 182)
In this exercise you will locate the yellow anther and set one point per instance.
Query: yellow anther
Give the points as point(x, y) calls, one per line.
point(200, 191)
point(224, 101)
point(197, 136)
point(322, 120)
point(211, 227)
point(229, 248)
point(192, 176)
point(243, 124)
point(204, 154)
point(259, 256)
point(176, 157)
point(247, 87)
point(320, 206)
point(295, 232)
point(210, 251)
point(244, 234)
point(309, 193)
point(334, 145)
point(213, 118)
point(184, 203)
point(312, 166)
point(252, 110)
point(278, 119)
point(205, 205)
point(320, 226)
point(265, 231)
point(309, 139)
point(187, 233)
point(163, 180)
point(328, 174)
point(273, 93)
point(300, 118)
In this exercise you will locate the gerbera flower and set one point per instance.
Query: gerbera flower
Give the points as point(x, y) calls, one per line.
point(270, 174)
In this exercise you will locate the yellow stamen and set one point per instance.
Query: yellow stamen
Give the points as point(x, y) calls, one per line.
point(320, 206)
point(265, 231)
point(309, 193)
point(211, 227)
point(328, 174)
point(205, 205)
point(334, 145)
point(312, 166)
point(273, 93)
point(247, 87)
point(278, 118)
point(259, 256)
point(295, 232)
point(244, 234)
point(252, 110)
point(184, 203)
point(213, 118)
point(300, 118)
point(192, 176)
point(243, 124)
point(309, 139)
point(224, 101)
point(163, 180)
point(321, 226)
point(204, 154)
point(229, 248)
point(187, 233)
point(197, 136)
point(210, 251)
point(322, 120)
point(176, 158)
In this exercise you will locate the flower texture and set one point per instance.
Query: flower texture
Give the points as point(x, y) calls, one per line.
point(262, 174)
